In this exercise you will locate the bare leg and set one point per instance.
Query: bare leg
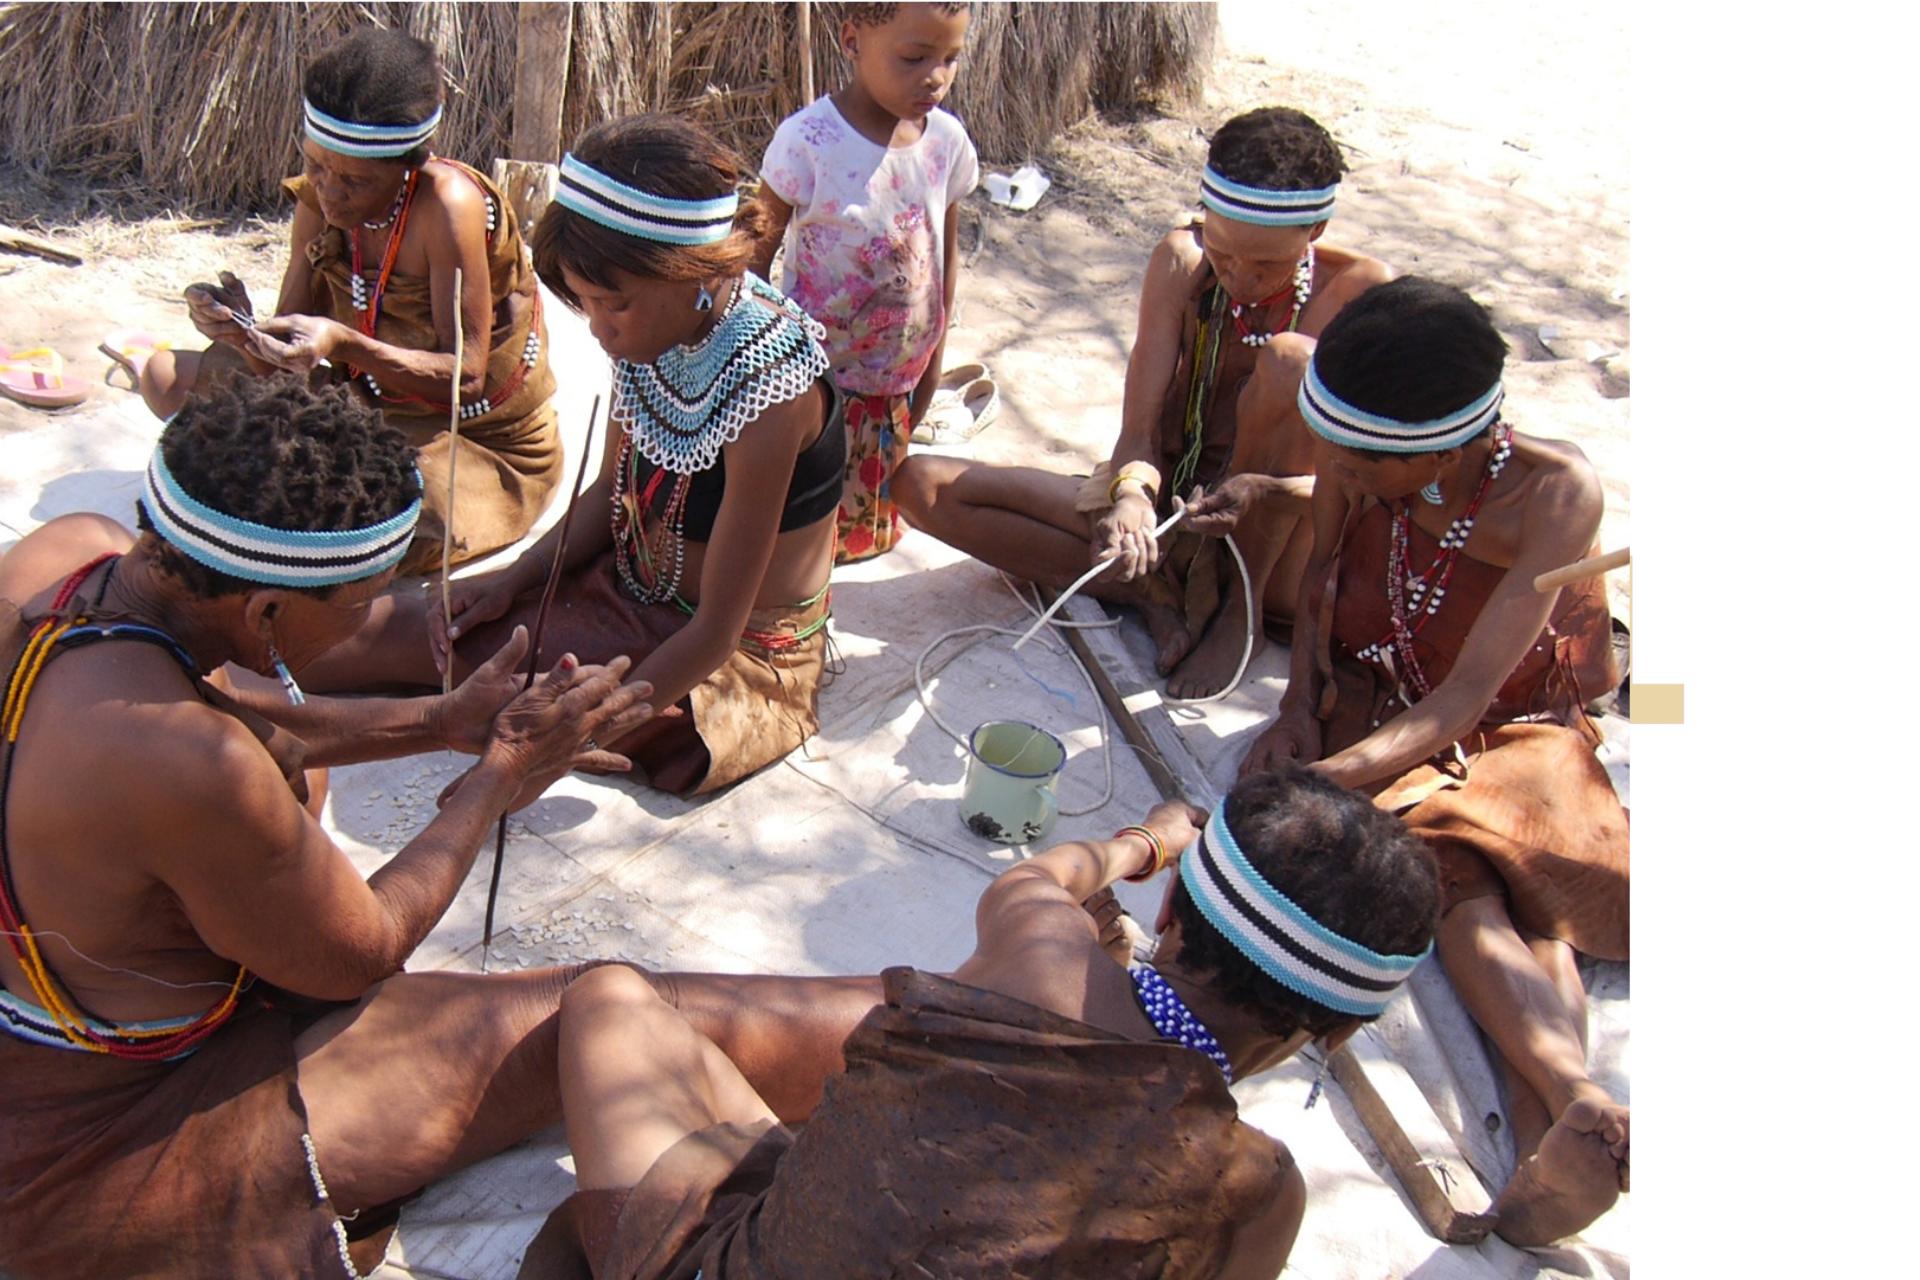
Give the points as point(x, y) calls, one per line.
point(636, 1078)
point(167, 378)
point(427, 1074)
point(1582, 1161)
point(1022, 520)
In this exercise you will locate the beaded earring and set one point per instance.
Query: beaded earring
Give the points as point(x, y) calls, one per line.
point(1319, 1082)
point(1431, 493)
point(294, 696)
point(705, 301)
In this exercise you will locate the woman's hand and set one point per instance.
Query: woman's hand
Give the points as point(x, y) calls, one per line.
point(296, 343)
point(555, 726)
point(212, 308)
point(1294, 736)
point(475, 600)
point(1125, 535)
point(467, 714)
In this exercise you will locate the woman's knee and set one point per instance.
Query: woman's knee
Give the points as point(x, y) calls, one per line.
point(918, 485)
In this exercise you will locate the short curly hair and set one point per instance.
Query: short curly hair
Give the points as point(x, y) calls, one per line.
point(376, 76)
point(1356, 869)
point(274, 452)
point(877, 15)
point(664, 155)
point(1276, 149)
point(1412, 349)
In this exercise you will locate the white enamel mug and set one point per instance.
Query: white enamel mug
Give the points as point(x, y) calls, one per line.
point(1011, 767)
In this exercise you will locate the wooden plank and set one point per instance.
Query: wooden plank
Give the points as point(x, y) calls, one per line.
point(1445, 1191)
point(540, 80)
point(1168, 762)
point(804, 18)
point(22, 242)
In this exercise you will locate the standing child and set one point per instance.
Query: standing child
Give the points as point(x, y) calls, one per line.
point(870, 179)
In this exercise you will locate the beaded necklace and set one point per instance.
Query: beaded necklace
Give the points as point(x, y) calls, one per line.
point(369, 308)
point(1414, 600)
point(1172, 1019)
point(399, 201)
point(1301, 291)
point(151, 1042)
point(679, 411)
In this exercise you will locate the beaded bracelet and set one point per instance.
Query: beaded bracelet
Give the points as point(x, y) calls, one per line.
point(1155, 843)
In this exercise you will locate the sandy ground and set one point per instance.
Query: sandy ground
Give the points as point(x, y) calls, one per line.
point(1511, 185)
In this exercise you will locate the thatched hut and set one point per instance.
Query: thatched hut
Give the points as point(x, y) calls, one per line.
point(198, 104)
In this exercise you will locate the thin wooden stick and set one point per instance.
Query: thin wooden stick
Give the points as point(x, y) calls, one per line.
point(453, 463)
point(533, 662)
point(1592, 567)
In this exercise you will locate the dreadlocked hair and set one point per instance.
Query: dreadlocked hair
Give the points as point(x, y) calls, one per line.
point(274, 452)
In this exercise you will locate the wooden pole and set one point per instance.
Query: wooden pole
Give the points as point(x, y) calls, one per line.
point(1593, 567)
point(806, 52)
point(540, 80)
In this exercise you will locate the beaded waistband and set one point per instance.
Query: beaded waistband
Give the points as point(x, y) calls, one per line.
point(31, 1023)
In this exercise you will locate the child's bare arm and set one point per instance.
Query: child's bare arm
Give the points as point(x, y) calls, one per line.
point(779, 213)
point(949, 280)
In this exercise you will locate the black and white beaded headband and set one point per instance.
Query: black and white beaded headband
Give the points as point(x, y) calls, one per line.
point(1262, 207)
point(1287, 944)
point(370, 141)
point(619, 207)
point(1335, 420)
point(260, 553)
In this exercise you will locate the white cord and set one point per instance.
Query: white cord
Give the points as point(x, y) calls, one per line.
point(1044, 618)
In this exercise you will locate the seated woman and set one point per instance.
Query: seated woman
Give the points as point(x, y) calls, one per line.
point(1228, 315)
point(211, 1055)
point(703, 549)
point(1438, 678)
point(1046, 1112)
point(380, 227)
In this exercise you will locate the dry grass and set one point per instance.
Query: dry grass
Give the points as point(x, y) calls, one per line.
point(197, 105)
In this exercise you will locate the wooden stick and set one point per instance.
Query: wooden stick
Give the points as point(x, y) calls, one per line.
point(1592, 567)
point(805, 17)
point(1443, 1188)
point(533, 662)
point(453, 463)
point(14, 238)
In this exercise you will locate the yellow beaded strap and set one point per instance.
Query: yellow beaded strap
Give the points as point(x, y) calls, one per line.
point(75, 1024)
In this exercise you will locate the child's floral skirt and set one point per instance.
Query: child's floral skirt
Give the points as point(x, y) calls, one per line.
point(877, 432)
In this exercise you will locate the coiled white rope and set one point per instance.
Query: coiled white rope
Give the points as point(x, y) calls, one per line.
point(1042, 619)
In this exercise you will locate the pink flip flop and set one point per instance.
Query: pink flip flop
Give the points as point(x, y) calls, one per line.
point(38, 378)
point(130, 349)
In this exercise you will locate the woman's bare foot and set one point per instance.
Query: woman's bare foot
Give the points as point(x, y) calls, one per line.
point(1207, 669)
point(1168, 627)
point(1579, 1171)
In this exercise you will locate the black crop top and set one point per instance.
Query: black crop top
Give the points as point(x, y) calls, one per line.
point(819, 473)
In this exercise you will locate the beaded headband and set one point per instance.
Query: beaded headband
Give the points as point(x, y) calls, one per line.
point(1334, 419)
point(1262, 207)
point(372, 141)
point(260, 553)
point(619, 207)
point(1287, 944)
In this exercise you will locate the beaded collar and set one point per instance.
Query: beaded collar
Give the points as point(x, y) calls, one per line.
point(682, 409)
point(1173, 1020)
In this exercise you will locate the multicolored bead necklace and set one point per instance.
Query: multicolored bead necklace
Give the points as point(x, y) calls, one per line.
point(1414, 600)
point(1172, 1019)
point(146, 1042)
point(1301, 291)
point(369, 306)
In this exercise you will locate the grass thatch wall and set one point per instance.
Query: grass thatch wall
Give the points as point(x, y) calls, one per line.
point(198, 104)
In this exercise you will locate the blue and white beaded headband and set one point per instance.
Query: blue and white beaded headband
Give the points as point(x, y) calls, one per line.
point(372, 141)
point(1288, 945)
point(260, 553)
point(619, 207)
point(1336, 420)
point(1262, 207)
